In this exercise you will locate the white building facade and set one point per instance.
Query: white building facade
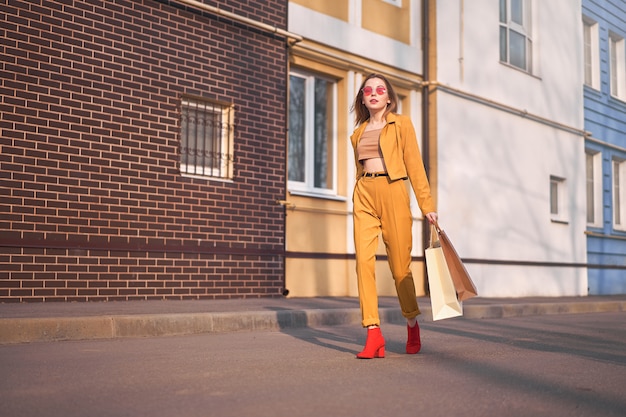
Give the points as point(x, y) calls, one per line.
point(510, 160)
point(494, 90)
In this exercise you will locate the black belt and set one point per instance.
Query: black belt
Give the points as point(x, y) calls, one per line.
point(375, 174)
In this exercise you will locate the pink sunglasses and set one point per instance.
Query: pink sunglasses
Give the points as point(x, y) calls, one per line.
point(380, 90)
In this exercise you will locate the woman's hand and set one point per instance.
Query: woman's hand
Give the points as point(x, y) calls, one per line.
point(432, 217)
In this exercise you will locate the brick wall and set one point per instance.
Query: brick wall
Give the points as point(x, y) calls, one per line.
point(92, 202)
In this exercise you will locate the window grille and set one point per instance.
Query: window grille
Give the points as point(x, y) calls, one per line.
point(206, 145)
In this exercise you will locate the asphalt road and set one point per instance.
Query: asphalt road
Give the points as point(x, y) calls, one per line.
point(550, 365)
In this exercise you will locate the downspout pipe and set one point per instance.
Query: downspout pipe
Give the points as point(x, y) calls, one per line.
point(285, 290)
point(425, 120)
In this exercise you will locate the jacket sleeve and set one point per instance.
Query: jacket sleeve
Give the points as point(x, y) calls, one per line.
point(354, 139)
point(415, 166)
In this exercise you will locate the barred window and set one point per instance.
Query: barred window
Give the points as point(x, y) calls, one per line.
point(206, 145)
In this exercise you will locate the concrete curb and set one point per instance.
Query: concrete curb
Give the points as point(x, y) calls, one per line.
point(532, 309)
point(26, 330)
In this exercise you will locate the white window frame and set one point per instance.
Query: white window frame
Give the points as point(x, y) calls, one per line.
point(591, 53)
point(617, 66)
point(397, 3)
point(217, 162)
point(558, 200)
point(593, 177)
point(618, 191)
point(524, 29)
point(307, 187)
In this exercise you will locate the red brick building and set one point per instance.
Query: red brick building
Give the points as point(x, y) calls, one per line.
point(142, 149)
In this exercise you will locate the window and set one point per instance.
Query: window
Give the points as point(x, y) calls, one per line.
point(515, 39)
point(619, 194)
point(312, 143)
point(594, 187)
point(558, 199)
point(591, 53)
point(617, 66)
point(206, 145)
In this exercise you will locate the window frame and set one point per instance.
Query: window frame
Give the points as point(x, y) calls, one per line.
point(397, 3)
point(591, 53)
point(224, 170)
point(618, 195)
point(617, 66)
point(524, 29)
point(593, 180)
point(307, 187)
point(558, 200)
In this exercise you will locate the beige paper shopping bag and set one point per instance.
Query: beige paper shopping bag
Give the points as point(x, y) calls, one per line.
point(443, 299)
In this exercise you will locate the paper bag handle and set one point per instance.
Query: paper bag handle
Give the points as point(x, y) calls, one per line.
point(434, 235)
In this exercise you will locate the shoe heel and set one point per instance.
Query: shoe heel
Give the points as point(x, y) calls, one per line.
point(414, 343)
point(374, 345)
point(381, 352)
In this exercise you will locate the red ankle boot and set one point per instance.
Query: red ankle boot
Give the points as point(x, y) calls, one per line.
point(413, 344)
point(374, 345)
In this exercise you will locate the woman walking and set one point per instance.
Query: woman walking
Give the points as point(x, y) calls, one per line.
point(386, 154)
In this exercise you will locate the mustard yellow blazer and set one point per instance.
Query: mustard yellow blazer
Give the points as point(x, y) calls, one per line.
point(398, 143)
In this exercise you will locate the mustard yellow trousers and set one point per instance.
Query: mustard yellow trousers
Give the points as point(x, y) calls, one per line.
point(382, 206)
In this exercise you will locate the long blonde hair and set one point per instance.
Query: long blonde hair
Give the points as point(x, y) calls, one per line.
point(362, 114)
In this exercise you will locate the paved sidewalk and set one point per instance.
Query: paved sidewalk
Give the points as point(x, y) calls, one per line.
point(33, 322)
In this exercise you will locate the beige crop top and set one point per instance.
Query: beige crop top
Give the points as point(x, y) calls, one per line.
point(368, 147)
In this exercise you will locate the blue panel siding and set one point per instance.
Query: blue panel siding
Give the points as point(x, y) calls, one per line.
point(606, 281)
point(612, 254)
point(605, 118)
